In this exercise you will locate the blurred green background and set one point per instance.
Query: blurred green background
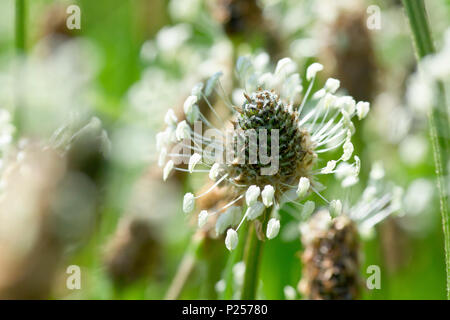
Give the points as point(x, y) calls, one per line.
point(412, 260)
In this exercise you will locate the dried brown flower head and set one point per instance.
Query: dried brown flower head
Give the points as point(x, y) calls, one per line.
point(330, 258)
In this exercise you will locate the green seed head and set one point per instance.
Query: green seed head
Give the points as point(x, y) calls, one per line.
point(295, 152)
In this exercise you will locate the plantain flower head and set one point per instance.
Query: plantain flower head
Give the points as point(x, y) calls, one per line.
point(267, 152)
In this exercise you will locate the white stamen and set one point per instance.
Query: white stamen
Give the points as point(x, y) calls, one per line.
point(254, 211)
point(346, 103)
point(303, 187)
point(330, 167)
point(362, 109)
point(335, 208)
point(319, 94)
point(214, 171)
point(357, 165)
point(273, 227)
point(349, 181)
point(202, 218)
point(329, 100)
point(162, 157)
point(231, 239)
point(211, 83)
point(284, 65)
point(189, 103)
point(332, 85)
point(312, 70)
point(267, 195)
point(167, 169)
point(193, 161)
point(183, 131)
point(348, 150)
point(170, 119)
point(191, 109)
point(252, 194)
point(197, 89)
point(188, 202)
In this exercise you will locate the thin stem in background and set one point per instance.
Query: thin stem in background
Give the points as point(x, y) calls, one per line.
point(20, 26)
point(214, 256)
point(20, 46)
point(437, 117)
point(185, 268)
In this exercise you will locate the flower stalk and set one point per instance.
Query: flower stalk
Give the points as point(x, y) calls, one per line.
point(252, 259)
point(234, 257)
point(437, 117)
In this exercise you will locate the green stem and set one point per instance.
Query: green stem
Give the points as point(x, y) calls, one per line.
point(234, 257)
point(214, 255)
point(185, 268)
point(437, 117)
point(252, 258)
point(20, 41)
point(20, 25)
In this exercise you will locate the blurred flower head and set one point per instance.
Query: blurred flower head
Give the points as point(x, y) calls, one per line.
point(378, 201)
